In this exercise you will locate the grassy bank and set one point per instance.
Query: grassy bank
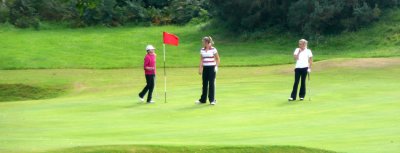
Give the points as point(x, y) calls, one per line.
point(99, 47)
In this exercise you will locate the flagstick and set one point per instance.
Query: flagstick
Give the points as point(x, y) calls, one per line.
point(165, 78)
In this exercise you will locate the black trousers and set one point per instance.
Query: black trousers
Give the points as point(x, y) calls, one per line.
point(149, 87)
point(208, 82)
point(299, 73)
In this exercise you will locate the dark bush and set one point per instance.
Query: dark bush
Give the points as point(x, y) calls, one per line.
point(23, 14)
point(308, 17)
point(4, 13)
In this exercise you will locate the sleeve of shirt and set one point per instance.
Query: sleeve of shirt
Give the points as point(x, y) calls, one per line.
point(146, 62)
point(296, 51)
point(215, 51)
point(310, 53)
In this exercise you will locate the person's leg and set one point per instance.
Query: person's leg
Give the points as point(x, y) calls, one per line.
point(296, 83)
point(151, 87)
point(211, 90)
point(145, 89)
point(203, 97)
point(303, 74)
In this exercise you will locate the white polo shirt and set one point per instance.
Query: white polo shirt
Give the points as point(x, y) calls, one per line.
point(302, 61)
point(208, 56)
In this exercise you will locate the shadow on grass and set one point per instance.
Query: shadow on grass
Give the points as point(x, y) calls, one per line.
point(291, 103)
point(138, 104)
point(197, 106)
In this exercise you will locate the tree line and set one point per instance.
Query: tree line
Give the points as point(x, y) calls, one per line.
point(82, 13)
point(309, 17)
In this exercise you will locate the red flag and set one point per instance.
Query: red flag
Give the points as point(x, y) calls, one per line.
point(170, 39)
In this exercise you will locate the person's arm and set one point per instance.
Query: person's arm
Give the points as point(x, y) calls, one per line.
point(296, 54)
point(149, 68)
point(147, 64)
point(310, 61)
point(201, 65)
point(217, 59)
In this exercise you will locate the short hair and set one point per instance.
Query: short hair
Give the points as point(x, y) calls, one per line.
point(303, 41)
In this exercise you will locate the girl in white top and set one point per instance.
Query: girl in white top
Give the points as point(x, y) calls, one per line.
point(303, 57)
point(209, 62)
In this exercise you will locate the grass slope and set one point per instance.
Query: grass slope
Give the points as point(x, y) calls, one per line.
point(20, 92)
point(354, 108)
point(100, 47)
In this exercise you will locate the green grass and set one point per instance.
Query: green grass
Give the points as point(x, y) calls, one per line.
point(54, 98)
point(100, 47)
point(354, 108)
point(197, 149)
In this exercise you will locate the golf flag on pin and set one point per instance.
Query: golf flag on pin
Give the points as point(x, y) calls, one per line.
point(169, 39)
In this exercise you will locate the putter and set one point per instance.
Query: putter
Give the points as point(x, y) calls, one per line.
point(309, 88)
point(155, 88)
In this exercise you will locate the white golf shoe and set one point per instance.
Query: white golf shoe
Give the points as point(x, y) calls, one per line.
point(290, 99)
point(198, 102)
point(141, 99)
point(213, 103)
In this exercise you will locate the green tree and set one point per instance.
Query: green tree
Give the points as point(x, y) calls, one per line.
point(23, 14)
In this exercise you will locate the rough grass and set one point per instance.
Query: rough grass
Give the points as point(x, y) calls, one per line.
point(100, 47)
point(19, 92)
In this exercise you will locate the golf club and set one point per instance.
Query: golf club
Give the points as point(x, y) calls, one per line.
point(309, 88)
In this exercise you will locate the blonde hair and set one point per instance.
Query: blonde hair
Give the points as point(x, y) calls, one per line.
point(304, 41)
point(208, 39)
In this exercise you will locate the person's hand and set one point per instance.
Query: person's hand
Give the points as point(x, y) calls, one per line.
point(200, 72)
point(309, 70)
point(216, 69)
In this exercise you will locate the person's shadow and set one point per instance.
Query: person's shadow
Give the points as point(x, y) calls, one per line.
point(138, 104)
point(196, 107)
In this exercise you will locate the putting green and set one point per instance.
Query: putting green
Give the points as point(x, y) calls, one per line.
point(354, 107)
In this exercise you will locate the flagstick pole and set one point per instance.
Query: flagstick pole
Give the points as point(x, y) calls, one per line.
point(165, 78)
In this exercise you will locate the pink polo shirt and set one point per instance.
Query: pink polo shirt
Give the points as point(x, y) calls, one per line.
point(149, 61)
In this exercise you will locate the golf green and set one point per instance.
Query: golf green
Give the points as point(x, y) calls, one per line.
point(354, 107)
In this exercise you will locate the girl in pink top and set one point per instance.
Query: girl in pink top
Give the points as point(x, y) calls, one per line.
point(150, 73)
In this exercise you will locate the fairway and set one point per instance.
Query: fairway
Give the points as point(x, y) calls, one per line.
point(354, 107)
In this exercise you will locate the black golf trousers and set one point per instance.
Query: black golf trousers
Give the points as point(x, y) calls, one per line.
point(208, 82)
point(149, 87)
point(299, 73)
